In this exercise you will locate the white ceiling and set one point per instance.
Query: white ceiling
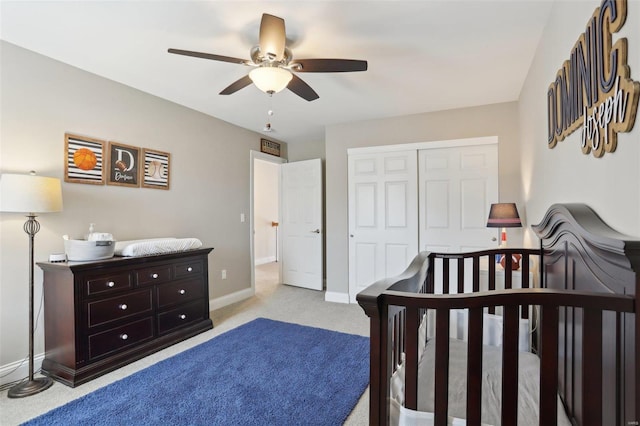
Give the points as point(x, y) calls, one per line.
point(423, 55)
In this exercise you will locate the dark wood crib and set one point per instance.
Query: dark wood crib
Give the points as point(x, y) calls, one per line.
point(586, 329)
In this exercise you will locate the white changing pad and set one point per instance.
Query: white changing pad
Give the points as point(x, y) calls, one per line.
point(153, 246)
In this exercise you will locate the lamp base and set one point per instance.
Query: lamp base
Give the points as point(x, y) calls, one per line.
point(30, 387)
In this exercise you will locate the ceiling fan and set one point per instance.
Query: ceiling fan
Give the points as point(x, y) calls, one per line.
point(273, 65)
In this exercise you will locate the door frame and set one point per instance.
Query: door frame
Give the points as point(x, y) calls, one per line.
point(452, 143)
point(257, 155)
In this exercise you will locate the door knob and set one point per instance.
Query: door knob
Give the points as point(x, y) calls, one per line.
point(494, 239)
point(317, 231)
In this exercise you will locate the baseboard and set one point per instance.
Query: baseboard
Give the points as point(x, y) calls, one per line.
point(7, 373)
point(238, 296)
point(334, 296)
point(263, 260)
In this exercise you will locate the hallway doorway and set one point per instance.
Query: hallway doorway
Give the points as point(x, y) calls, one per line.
point(265, 220)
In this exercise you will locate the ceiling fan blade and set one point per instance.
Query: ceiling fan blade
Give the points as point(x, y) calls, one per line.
point(329, 65)
point(272, 37)
point(237, 85)
point(302, 89)
point(209, 56)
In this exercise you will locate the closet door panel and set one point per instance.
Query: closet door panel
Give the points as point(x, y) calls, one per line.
point(383, 216)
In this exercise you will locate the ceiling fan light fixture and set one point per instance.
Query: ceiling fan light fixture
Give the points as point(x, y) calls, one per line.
point(270, 79)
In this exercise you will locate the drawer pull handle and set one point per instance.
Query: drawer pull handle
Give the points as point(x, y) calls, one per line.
point(154, 276)
point(182, 291)
point(110, 284)
point(124, 336)
point(183, 316)
point(189, 269)
point(123, 306)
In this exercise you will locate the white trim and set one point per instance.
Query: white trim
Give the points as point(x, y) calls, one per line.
point(487, 140)
point(336, 297)
point(238, 296)
point(21, 371)
point(253, 155)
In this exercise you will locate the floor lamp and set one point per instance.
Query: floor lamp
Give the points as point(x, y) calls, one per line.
point(30, 194)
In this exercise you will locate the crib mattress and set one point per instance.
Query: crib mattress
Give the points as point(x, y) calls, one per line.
point(528, 388)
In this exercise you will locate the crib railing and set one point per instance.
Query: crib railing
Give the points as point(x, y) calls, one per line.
point(396, 306)
point(387, 326)
point(512, 301)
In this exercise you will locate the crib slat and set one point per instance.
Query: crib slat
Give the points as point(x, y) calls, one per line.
point(510, 365)
point(492, 279)
point(549, 366)
point(431, 276)
point(476, 274)
point(461, 275)
point(592, 367)
point(445, 275)
point(524, 283)
point(411, 354)
point(524, 262)
point(441, 399)
point(508, 269)
point(474, 367)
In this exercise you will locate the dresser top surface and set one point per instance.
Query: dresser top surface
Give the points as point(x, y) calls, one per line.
point(118, 261)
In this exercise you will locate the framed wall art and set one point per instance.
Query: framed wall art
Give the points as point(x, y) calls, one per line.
point(270, 147)
point(84, 160)
point(123, 165)
point(156, 170)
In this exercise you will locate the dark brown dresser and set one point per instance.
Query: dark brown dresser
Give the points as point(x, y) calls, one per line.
point(99, 316)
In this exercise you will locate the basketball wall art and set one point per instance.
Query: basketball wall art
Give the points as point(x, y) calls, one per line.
point(156, 169)
point(84, 160)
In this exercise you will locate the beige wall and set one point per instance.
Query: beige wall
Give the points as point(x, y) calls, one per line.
point(491, 120)
point(611, 184)
point(306, 151)
point(41, 100)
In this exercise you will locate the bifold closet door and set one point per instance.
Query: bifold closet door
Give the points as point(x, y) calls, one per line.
point(383, 216)
point(457, 187)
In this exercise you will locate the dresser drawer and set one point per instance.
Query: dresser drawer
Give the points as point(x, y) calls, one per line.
point(180, 291)
point(186, 269)
point(118, 307)
point(180, 316)
point(153, 275)
point(108, 282)
point(120, 337)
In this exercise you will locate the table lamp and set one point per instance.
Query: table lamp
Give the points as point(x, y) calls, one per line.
point(504, 215)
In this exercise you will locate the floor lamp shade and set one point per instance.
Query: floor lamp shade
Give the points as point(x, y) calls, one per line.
point(30, 194)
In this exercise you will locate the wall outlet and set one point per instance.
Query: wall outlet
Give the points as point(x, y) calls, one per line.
point(242, 217)
point(224, 274)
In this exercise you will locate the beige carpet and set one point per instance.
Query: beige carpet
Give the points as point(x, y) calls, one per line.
point(272, 300)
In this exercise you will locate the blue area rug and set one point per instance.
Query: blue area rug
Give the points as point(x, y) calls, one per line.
point(264, 372)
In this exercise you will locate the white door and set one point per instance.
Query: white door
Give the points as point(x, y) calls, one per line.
point(457, 187)
point(383, 216)
point(301, 226)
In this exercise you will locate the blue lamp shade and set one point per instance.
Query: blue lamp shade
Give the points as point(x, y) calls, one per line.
point(504, 215)
point(30, 193)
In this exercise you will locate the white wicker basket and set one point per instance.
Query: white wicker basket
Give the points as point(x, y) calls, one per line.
point(82, 250)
